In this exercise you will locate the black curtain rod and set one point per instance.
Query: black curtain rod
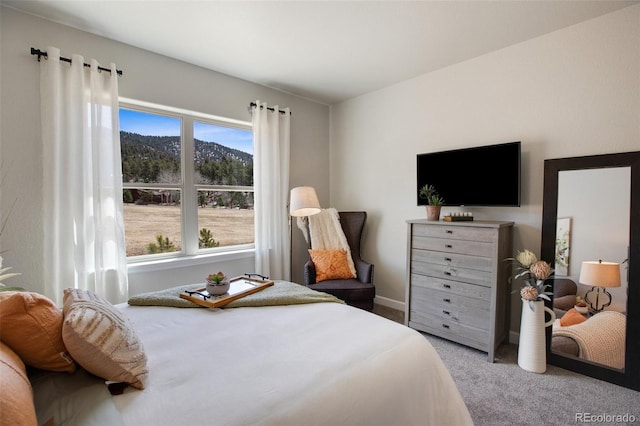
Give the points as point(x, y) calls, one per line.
point(42, 53)
point(252, 105)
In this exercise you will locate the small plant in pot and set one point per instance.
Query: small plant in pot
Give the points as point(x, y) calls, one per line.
point(217, 284)
point(581, 305)
point(434, 201)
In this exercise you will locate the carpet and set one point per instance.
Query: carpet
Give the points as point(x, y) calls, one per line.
point(501, 393)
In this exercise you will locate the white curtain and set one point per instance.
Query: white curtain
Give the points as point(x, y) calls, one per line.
point(271, 186)
point(82, 179)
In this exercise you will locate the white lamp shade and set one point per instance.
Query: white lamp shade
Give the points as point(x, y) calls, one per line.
point(304, 201)
point(600, 274)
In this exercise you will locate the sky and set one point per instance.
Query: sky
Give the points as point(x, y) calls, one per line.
point(158, 125)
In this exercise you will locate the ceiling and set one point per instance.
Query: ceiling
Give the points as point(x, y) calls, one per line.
point(327, 51)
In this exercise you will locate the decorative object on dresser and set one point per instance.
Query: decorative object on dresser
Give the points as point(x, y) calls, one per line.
point(457, 281)
point(434, 201)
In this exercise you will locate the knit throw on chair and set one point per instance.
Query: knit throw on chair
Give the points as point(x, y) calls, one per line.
point(601, 338)
point(326, 233)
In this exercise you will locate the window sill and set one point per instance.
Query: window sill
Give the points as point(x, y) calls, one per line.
point(187, 261)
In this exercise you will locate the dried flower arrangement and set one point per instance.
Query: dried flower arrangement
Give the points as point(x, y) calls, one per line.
point(533, 272)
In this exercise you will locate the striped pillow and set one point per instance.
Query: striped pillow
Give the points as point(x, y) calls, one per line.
point(101, 339)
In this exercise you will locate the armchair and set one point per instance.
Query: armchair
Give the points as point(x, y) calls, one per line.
point(359, 291)
point(564, 295)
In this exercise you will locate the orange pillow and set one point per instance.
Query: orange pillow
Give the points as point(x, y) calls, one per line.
point(572, 317)
point(31, 325)
point(16, 404)
point(331, 265)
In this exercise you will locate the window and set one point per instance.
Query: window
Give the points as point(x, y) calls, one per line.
point(187, 182)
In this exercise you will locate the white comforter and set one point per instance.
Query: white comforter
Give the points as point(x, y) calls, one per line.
point(315, 364)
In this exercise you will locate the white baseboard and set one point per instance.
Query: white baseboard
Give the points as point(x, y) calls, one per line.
point(389, 303)
point(514, 337)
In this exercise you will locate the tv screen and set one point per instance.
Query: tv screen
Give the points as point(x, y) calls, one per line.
point(480, 176)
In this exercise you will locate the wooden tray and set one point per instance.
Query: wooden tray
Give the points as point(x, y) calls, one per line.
point(240, 287)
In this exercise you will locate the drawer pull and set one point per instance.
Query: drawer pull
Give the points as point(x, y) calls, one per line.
point(446, 312)
point(446, 285)
point(447, 300)
point(445, 326)
point(447, 273)
point(449, 231)
point(448, 246)
point(448, 259)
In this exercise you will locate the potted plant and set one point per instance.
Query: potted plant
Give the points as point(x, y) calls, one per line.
point(217, 284)
point(434, 201)
point(581, 306)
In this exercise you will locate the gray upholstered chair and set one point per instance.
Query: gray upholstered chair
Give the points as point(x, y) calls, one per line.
point(360, 291)
point(564, 295)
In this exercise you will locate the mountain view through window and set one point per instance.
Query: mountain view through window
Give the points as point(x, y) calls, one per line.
point(187, 183)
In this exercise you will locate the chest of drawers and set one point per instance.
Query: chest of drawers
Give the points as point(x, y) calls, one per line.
point(457, 281)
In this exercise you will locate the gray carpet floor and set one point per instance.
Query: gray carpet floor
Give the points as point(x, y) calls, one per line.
point(502, 393)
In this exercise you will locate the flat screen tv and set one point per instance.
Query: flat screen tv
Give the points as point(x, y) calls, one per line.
point(486, 176)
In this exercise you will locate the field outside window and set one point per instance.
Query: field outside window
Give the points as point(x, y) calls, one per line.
point(187, 183)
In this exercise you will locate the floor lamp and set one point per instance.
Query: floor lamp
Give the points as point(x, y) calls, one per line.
point(303, 202)
point(599, 275)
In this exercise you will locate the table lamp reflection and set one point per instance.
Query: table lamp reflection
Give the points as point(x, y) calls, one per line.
point(599, 275)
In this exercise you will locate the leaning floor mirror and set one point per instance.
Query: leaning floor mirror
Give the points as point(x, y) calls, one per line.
point(591, 234)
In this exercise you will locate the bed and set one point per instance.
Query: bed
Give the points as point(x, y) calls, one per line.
point(310, 363)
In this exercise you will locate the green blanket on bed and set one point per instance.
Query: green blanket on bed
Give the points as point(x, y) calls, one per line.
point(280, 293)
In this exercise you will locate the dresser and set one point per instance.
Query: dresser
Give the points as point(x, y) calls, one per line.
point(457, 281)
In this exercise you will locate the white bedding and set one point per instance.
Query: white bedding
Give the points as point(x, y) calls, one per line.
point(315, 364)
point(312, 364)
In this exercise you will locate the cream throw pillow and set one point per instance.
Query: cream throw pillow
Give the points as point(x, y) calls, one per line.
point(101, 339)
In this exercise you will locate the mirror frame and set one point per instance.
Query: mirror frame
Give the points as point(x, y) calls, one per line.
point(630, 376)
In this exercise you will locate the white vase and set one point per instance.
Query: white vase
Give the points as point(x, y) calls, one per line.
point(532, 350)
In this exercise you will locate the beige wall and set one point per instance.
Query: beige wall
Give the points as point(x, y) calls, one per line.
point(597, 203)
point(572, 92)
point(148, 77)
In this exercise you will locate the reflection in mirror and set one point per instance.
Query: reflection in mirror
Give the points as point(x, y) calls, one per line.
point(593, 219)
point(606, 242)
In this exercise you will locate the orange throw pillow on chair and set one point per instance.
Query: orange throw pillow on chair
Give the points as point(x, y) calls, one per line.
point(572, 317)
point(330, 264)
